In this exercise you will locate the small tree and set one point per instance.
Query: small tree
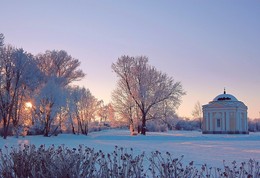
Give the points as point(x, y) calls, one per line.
point(83, 108)
point(197, 113)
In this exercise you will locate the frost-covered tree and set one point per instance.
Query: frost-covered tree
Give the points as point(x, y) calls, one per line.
point(60, 65)
point(28, 77)
point(17, 77)
point(49, 101)
point(2, 39)
point(83, 109)
point(197, 113)
point(146, 85)
point(109, 114)
point(125, 106)
point(165, 113)
point(73, 97)
point(105, 112)
point(59, 69)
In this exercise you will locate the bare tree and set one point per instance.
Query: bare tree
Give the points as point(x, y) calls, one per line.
point(125, 106)
point(27, 76)
point(85, 108)
point(60, 65)
point(197, 113)
point(2, 37)
point(60, 69)
point(147, 86)
point(165, 112)
point(110, 112)
point(49, 101)
point(16, 77)
point(102, 113)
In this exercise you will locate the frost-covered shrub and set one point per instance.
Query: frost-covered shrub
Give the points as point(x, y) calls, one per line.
point(186, 124)
point(167, 166)
point(121, 163)
point(156, 126)
point(254, 125)
point(30, 162)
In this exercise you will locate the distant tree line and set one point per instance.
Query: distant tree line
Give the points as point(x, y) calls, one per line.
point(254, 125)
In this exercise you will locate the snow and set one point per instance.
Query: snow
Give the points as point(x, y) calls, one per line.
point(209, 149)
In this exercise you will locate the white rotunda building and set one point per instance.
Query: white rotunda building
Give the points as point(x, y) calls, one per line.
point(225, 115)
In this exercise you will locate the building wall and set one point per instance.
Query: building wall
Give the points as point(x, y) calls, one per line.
point(231, 120)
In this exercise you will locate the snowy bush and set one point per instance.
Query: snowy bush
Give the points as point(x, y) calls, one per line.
point(30, 162)
point(254, 125)
point(156, 126)
point(186, 124)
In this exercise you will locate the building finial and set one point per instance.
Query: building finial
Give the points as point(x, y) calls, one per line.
point(224, 90)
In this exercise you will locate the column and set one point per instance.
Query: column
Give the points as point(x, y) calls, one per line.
point(205, 124)
point(210, 122)
point(237, 120)
point(223, 121)
point(246, 122)
point(227, 121)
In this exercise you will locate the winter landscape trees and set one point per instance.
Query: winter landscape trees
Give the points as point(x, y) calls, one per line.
point(59, 69)
point(143, 90)
point(16, 81)
point(42, 81)
point(37, 96)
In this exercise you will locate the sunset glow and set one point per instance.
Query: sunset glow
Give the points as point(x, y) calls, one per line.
point(28, 105)
point(206, 46)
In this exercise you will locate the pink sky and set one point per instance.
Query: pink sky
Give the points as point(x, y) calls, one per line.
point(207, 45)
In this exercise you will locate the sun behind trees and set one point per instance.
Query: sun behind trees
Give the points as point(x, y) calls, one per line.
point(36, 95)
point(43, 81)
point(142, 90)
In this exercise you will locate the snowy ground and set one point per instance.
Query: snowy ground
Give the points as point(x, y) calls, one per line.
point(210, 149)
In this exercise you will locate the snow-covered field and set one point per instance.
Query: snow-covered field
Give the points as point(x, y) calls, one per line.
point(210, 149)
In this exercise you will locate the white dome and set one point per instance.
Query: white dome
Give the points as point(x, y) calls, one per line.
point(225, 97)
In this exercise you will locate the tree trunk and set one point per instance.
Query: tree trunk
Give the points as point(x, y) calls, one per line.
point(143, 130)
point(47, 126)
point(73, 129)
point(46, 131)
point(131, 126)
point(6, 126)
point(6, 121)
point(86, 129)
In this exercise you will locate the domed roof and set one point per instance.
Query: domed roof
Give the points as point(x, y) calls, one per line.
point(225, 97)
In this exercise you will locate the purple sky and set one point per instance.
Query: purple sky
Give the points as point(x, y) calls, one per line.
point(207, 45)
